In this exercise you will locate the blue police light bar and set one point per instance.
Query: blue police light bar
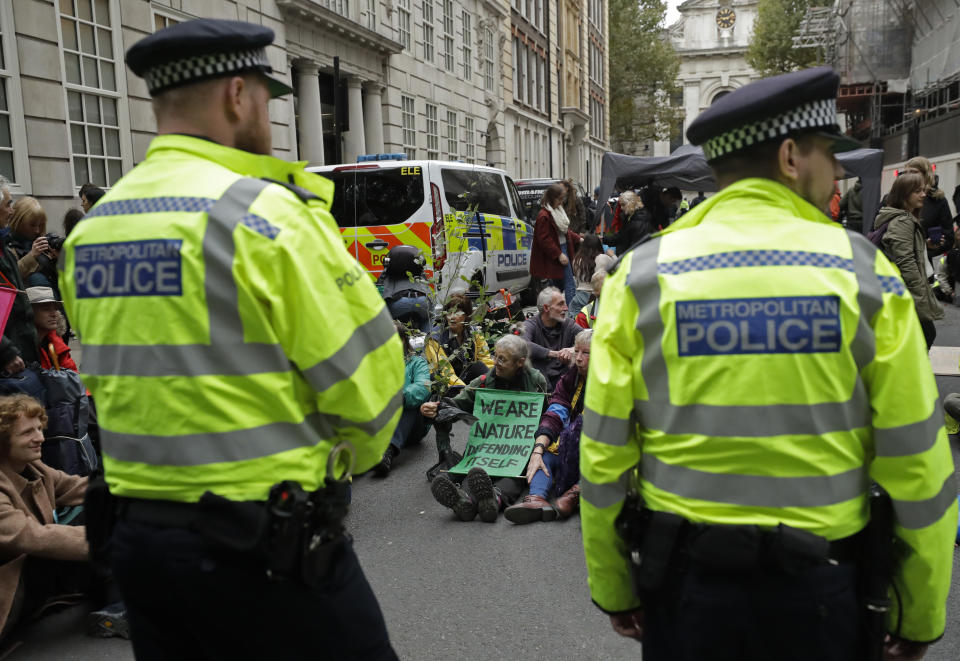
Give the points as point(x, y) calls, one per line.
point(399, 156)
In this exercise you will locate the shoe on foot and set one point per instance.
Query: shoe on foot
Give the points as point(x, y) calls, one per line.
point(109, 622)
point(481, 488)
point(452, 496)
point(531, 508)
point(386, 463)
point(448, 459)
point(569, 502)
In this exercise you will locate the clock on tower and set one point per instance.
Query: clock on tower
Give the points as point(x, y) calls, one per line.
point(726, 17)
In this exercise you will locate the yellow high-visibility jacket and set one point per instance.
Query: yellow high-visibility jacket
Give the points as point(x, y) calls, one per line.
point(229, 339)
point(759, 365)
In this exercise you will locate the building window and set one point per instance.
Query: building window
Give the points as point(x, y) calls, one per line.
point(519, 61)
point(469, 150)
point(452, 144)
point(370, 14)
point(403, 23)
point(596, 63)
point(596, 14)
point(92, 100)
point(467, 46)
point(428, 30)
point(433, 135)
point(341, 7)
point(161, 21)
point(7, 167)
point(409, 122)
point(596, 118)
point(488, 59)
point(447, 8)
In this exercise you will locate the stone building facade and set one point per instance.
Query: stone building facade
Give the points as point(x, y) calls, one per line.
point(711, 38)
point(431, 78)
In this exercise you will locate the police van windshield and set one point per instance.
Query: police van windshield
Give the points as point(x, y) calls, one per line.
point(382, 196)
point(474, 190)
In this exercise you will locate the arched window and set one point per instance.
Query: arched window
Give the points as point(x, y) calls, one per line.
point(719, 95)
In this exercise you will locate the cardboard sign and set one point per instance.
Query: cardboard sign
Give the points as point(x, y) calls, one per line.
point(503, 435)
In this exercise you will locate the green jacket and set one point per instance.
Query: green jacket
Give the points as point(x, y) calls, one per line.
point(905, 244)
point(760, 365)
point(416, 381)
point(229, 338)
point(527, 379)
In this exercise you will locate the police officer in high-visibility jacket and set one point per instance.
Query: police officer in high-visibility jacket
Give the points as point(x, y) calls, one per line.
point(759, 367)
point(230, 342)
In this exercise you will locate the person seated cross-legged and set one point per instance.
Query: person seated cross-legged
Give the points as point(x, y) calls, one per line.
point(554, 465)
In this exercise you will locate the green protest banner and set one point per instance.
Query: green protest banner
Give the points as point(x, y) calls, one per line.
point(503, 435)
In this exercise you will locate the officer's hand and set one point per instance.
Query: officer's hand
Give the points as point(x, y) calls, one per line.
point(904, 650)
point(563, 260)
point(40, 246)
point(15, 366)
point(628, 625)
point(428, 410)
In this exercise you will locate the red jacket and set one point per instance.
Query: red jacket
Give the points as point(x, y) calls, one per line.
point(60, 348)
point(545, 253)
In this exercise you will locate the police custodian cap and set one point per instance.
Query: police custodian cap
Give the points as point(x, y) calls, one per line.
point(201, 49)
point(772, 108)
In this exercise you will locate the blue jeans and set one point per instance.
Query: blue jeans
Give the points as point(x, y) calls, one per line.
point(580, 299)
point(541, 485)
point(411, 428)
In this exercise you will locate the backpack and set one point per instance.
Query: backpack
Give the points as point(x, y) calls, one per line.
point(876, 236)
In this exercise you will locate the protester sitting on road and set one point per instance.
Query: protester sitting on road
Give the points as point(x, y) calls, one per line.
point(554, 465)
point(554, 242)
point(636, 224)
point(584, 264)
point(588, 315)
point(42, 558)
point(53, 351)
point(946, 269)
point(905, 243)
point(511, 371)
point(550, 335)
point(412, 426)
point(458, 352)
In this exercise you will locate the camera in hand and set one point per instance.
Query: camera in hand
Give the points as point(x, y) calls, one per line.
point(55, 241)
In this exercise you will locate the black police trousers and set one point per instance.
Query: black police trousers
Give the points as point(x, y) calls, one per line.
point(761, 616)
point(185, 601)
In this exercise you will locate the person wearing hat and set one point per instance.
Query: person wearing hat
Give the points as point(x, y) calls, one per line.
point(235, 349)
point(754, 368)
point(53, 351)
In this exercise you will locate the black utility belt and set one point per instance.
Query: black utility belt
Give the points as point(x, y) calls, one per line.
point(298, 535)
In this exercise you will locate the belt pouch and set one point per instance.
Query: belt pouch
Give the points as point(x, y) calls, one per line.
point(239, 526)
point(656, 552)
point(100, 510)
point(726, 548)
point(320, 557)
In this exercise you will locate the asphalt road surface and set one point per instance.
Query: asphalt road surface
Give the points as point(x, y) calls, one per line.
point(465, 590)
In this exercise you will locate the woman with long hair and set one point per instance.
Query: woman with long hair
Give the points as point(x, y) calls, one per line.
point(584, 265)
point(636, 223)
point(554, 243)
point(904, 242)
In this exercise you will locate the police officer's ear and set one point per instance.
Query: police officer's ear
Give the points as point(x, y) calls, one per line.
point(788, 160)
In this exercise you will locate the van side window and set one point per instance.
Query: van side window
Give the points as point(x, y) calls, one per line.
point(474, 190)
point(387, 196)
point(521, 212)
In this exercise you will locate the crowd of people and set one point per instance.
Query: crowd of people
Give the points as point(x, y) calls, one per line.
point(45, 559)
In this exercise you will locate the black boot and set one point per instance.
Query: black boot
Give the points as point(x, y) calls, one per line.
point(448, 459)
point(386, 463)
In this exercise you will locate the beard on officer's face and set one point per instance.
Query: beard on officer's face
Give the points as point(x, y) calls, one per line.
point(254, 134)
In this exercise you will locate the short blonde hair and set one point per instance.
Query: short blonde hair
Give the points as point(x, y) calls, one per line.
point(26, 210)
point(12, 408)
point(630, 202)
point(596, 282)
point(921, 165)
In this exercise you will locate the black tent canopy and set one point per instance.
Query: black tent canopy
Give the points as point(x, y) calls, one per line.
point(687, 169)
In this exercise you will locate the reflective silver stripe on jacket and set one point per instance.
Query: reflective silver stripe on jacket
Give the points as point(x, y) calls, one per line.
point(345, 360)
point(916, 514)
point(753, 421)
point(605, 495)
point(241, 444)
point(227, 354)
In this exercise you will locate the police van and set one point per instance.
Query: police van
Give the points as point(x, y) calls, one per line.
point(466, 219)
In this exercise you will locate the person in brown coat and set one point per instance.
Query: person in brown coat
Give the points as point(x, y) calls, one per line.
point(29, 492)
point(554, 243)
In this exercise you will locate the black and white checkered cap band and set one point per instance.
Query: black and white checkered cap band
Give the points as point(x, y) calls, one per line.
point(200, 67)
point(821, 113)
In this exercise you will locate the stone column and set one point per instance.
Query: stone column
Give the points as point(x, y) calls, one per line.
point(310, 122)
point(353, 140)
point(373, 117)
